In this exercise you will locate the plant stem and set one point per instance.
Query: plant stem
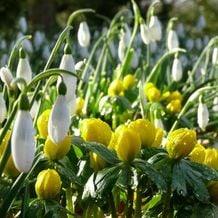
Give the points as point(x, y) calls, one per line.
point(69, 202)
point(112, 206)
point(25, 199)
point(129, 209)
point(138, 203)
point(167, 210)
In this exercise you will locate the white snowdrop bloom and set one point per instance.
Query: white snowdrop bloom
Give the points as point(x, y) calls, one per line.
point(83, 34)
point(215, 56)
point(59, 120)
point(22, 24)
point(144, 31)
point(46, 52)
point(155, 29)
point(23, 68)
point(3, 109)
point(38, 39)
point(158, 123)
point(121, 47)
point(177, 70)
point(22, 141)
point(127, 34)
point(202, 116)
point(172, 40)
point(135, 60)
point(72, 105)
point(189, 44)
point(198, 44)
point(215, 104)
point(6, 76)
point(79, 65)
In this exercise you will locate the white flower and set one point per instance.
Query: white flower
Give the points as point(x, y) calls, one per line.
point(59, 120)
point(3, 109)
point(155, 29)
point(34, 109)
point(203, 116)
point(121, 47)
point(22, 141)
point(72, 104)
point(127, 34)
point(46, 52)
point(144, 30)
point(215, 104)
point(135, 60)
point(215, 56)
point(39, 38)
point(172, 40)
point(79, 65)
point(6, 76)
point(22, 24)
point(158, 123)
point(83, 34)
point(177, 70)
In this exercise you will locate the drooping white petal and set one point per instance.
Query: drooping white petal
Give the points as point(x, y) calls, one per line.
point(215, 104)
point(155, 29)
point(158, 123)
point(144, 30)
point(79, 65)
point(3, 109)
point(6, 76)
point(215, 56)
point(22, 24)
point(83, 34)
point(72, 104)
point(22, 141)
point(121, 48)
point(39, 38)
point(59, 120)
point(177, 70)
point(203, 116)
point(24, 70)
point(172, 40)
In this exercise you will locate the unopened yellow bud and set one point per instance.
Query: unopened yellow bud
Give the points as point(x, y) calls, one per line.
point(42, 123)
point(174, 106)
point(116, 88)
point(146, 131)
point(198, 154)
point(57, 151)
point(176, 95)
point(159, 133)
point(48, 184)
point(153, 94)
point(180, 143)
point(129, 81)
point(211, 158)
point(96, 130)
point(96, 162)
point(79, 105)
point(147, 86)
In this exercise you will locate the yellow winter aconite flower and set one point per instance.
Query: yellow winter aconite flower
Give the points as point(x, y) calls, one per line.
point(116, 88)
point(213, 191)
point(79, 105)
point(42, 123)
point(174, 106)
point(129, 81)
point(211, 158)
point(180, 143)
point(146, 131)
point(159, 133)
point(96, 162)
point(147, 86)
point(57, 151)
point(198, 154)
point(127, 144)
point(48, 184)
point(95, 130)
point(152, 92)
point(176, 95)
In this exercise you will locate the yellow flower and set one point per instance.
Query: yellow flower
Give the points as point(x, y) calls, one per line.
point(153, 94)
point(48, 184)
point(42, 123)
point(96, 162)
point(213, 191)
point(79, 105)
point(211, 158)
point(145, 129)
point(165, 95)
point(197, 154)
point(116, 88)
point(174, 106)
point(159, 133)
point(96, 130)
point(55, 152)
point(147, 86)
point(176, 95)
point(129, 81)
point(127, 144)
point(180, 143)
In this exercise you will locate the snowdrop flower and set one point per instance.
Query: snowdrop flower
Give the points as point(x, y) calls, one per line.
point(155, 28)
point(189, 44)
point(172, 40)
point(4, 59)
point(202, 116)
point(135, 60)
point(59, 119)
point(112, 49)
point(215, 104)
point(22, 24)
point(79, 65)
point(122, 47)
point(6, 76)
point(22, 139)
point(46, 52)
point(39, 38)
point(215, 56)
point(23, 69)
point(144, 30)
point(198, 44)
point(127, 34)
point(3, 109)
point(177, 70)
point(83, 34)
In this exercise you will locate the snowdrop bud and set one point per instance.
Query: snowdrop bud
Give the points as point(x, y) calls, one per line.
point(155, 29)
point(83, 34)
point(198, 44)
point(3, 109)
point(215, 56)
point(22, 139)
point(177, 70)
point(38, 39)
point(59, 119)
point(203, 116)
point(172, 40)
point(112, 49)
point(144, 30)
point(127, 34)
point(46, 52)
point(79, 65)
point(23, 69)
point(22, 24)
point(28, 45)
point(121, 47)
point(6, 76)
point(135, 60)
point(215, 104)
